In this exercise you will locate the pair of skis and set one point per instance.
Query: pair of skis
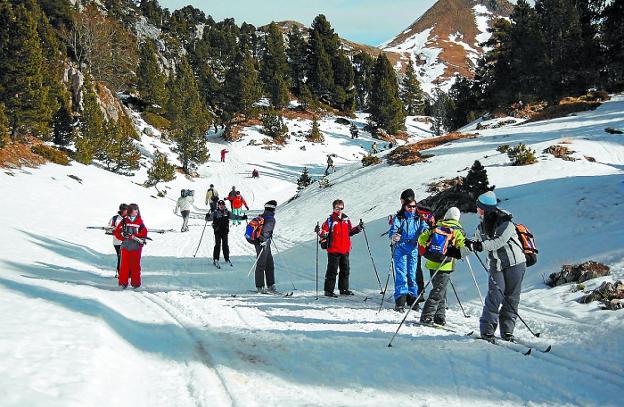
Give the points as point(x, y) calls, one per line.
point(517, 345)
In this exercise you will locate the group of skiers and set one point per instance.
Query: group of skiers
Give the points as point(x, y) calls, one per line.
point(129, 234)
point(413, 234)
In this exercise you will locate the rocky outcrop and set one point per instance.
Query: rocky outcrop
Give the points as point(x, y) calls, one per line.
point(577, 273)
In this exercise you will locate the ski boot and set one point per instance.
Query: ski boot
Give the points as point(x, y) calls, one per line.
point(399, 305)
point(508, 336)
point(330, 294)
point(346, 292)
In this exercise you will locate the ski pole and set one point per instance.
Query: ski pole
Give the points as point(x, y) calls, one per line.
point(505, 298)
point(372, 260)
point(458, 301)
point(390, 270)
point(416, 301)
point(286, 268)
point(200, 239)
point(475, 280)
point(317, 258)
point(255, 262)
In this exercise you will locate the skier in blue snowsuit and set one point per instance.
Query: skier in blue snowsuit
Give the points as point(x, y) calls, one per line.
point(404, 231)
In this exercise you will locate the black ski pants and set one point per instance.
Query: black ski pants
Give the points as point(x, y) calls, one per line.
point(334, 262)
point(221, 240)
point(264, 266)
point(118, 251)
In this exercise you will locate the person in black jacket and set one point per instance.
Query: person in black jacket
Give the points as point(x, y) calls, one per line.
point(221, 225)
point(264, 264)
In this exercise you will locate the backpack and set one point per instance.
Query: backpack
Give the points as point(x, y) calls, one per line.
point(325, 242)
point(254, 229)
point(440, 240)
point(527, 243)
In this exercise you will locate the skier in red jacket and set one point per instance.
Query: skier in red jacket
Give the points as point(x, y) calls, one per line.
point(132, 233)
point(223, 153)
point(237, 207)
point(338, 230)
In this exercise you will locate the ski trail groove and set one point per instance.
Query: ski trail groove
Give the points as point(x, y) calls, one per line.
point(204, 355)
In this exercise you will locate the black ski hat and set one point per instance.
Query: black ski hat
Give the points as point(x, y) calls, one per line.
point(408, 194)
point(123, 207)
point(271, 205)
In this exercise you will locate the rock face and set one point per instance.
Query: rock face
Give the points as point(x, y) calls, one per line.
point(578, 273)
point(610, 294)
point(446, 39)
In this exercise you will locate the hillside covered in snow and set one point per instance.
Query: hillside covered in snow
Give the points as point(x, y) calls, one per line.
point(196, 335)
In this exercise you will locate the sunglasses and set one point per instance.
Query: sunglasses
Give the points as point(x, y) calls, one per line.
point(412, 206)
point(338, 208)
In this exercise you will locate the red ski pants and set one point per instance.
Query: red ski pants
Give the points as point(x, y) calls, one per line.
point(130, 267)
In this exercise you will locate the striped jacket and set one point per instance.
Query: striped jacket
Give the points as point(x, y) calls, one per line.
point(504, 248)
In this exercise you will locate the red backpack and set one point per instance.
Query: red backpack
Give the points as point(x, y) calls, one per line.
point(527, 243)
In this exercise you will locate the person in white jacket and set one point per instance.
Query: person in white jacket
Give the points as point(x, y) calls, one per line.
point(112, 224)
point(185, 201)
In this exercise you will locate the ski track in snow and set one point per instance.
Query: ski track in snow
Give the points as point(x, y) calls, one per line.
point(196, 335)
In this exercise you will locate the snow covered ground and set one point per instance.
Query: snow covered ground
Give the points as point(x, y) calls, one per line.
point(195, 335)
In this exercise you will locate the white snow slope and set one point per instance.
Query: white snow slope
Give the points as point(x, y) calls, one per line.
point(71, 337)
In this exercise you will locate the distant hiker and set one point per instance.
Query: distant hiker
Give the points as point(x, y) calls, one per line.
point(404, 231)
point(373, 149)
point(443, 241)
point(354, 131)
point(390, 145)
point(330, 164)
point(132, 233)
point(265, 267)
point(185, 201)
point(496, 235)
point(337, 229)
point(212, 196)
point(237, 207)
point(223, 153)
point(221, 226)
point(255, 174)
point(112, 223)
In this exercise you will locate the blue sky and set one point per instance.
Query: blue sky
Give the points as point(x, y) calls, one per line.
point(366, 21)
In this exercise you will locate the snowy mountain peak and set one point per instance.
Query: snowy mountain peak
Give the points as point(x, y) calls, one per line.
point(445, 40)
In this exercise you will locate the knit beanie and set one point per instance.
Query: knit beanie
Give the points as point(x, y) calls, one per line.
point(452, 213)
point(487, 201)
point(271, 205)
point(408, 194)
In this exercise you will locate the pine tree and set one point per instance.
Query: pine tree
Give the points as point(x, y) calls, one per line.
point(160, 171)
point(344, 93)
point(613, 34)
point(386, 109)
point(412, 94)
point(4, 127)
point(62, 123)
point(189, 118)
point(22, 81)
point(363, 67)
point(273, 125)
point(307, 99)
point(476, 181)
point(304, 179)
point(274, 67)
point(315, 135)
point(439, 112)
point(241, 85)
point(118, 152)
point(320, 71)
point(461, 103)
point(296, 59)
point(151, 82)
point(91, 126)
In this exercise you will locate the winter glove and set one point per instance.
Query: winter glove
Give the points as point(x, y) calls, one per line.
point(477, 246)
point(263, 244)
point(317, 229)
point(244, 217)
point(396, 237)
point(468, 244)
point(207, 217)
point(452, 251)
point(361, 225)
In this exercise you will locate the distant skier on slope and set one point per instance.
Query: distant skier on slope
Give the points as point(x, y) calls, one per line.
point(184, 203)
point(113, 222)
point(221, 227)
point(212, 196)
point(496, 235)
point(404, 231)
point(261, 236)
point(451, 234)
point(373, 149)
point(255, 173)
point(337, 229)
point(223, 153)
point(330, 164)
point(132, 233)
point(237, 207)
point(354, 131)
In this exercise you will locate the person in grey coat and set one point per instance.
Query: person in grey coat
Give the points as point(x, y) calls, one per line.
point(496, 235)
point(265, 267)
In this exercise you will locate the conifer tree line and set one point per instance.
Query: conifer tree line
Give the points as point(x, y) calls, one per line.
point(545, 52)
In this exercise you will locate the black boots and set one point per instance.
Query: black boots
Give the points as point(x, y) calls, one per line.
point(400, 303)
